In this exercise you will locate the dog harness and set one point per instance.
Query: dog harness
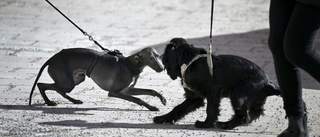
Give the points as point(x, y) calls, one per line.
point(92, 65)
point(184, 67)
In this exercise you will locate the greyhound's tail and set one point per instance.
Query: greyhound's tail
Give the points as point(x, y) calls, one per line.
point(271, 89)
point(36, 81)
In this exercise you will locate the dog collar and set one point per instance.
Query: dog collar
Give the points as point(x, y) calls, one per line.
point(184, 67)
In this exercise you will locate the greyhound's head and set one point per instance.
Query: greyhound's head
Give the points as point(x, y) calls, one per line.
point(150, 57)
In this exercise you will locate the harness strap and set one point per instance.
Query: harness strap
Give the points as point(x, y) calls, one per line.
point(92, 65)
point(184, 67)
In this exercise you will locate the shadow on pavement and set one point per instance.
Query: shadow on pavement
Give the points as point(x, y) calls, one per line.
point(85, 124)
point(61, 110)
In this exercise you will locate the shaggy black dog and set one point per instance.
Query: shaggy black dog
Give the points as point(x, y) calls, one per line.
point(239, 79)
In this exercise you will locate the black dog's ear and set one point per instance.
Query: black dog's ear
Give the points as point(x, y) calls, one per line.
point(169, 48)
point(169, 60)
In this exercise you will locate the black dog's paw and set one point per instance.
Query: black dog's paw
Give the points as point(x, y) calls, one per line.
point(162, 120)
point(223, 125)
point(204, 124)
point(51, 103)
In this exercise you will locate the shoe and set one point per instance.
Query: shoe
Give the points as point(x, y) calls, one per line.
point(297, 127)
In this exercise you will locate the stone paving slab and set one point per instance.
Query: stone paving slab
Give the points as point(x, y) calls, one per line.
point(31, 32)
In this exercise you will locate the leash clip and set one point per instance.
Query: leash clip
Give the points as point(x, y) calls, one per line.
point(184, 67)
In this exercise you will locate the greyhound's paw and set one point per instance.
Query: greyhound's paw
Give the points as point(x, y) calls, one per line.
point(77, 102)
point(162, 120)
point(204, 124)
point(153, 108)
point(51, 103)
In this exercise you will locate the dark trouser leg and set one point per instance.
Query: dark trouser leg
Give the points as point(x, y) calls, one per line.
point(299, 39)
point(292, 31)
point(288, 75)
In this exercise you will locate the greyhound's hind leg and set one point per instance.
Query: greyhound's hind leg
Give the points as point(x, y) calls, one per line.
point(67, 88)
point(132, 99)
point(139, 91)
point(42, 88)
point(65, 80)
point(74, 101)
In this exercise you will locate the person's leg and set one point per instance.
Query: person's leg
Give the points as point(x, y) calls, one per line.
point(299, 39)
point(288, 75)
point(299, 50)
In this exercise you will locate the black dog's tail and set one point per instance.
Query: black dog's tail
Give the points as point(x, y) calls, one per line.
point(271, 89)
point(36, 81)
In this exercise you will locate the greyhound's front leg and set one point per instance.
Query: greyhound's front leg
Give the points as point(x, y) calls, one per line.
point(139, 91)
point(132, 99)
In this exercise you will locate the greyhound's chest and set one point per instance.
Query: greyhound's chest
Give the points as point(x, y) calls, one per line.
point(111, 75)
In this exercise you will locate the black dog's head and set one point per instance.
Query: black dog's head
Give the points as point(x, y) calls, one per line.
point(177, 52)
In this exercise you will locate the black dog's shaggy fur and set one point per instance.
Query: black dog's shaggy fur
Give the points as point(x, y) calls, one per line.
point(239, 79)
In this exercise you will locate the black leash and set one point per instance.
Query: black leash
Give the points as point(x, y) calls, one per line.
point(212, 8)
point(115, 52)
point(209, 57)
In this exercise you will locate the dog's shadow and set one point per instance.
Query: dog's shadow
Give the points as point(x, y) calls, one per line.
point(84, 124)
point(61, 110)
point(151, 126)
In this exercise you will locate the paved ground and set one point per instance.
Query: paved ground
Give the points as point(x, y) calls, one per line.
point(31, 31)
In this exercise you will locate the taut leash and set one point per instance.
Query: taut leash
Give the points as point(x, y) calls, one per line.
point(115, 52)
point(209, 53)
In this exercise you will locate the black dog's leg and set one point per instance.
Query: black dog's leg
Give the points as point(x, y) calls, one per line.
point(213, 103)
point(256, 111)
point(132, 99)
point(178, 112)
point(239, 118)
point(239, 104)
point(139, 91)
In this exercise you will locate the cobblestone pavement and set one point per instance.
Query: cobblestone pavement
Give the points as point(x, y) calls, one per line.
point(31, 31)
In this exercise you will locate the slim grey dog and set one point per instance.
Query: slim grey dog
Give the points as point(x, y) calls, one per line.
point(69, 68)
